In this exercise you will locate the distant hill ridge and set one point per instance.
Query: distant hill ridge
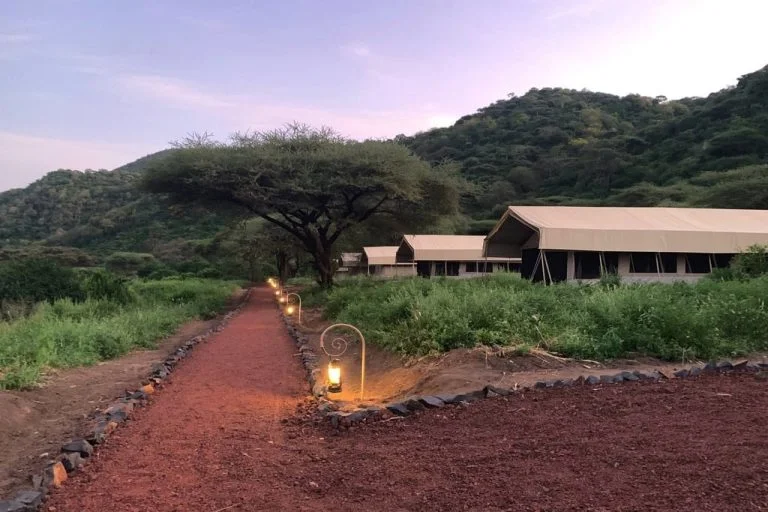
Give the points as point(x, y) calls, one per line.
point(549, 146)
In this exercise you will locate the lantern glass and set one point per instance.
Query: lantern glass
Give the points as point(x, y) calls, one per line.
point(282, 299)
point(289, 310)
point(334, 376)
point(277, 293)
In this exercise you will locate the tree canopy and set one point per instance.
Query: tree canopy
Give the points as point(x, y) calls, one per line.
point(311, 183)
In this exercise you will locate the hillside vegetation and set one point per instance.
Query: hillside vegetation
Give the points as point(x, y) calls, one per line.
point(548, 146)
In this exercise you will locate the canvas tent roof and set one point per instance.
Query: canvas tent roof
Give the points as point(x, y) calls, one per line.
point(448, 248)
point(381, 255)
point(649, 229)
point(351, 258)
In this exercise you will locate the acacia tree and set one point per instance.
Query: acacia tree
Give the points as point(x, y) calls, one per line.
point(311, 183)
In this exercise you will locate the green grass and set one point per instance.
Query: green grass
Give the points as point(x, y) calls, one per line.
point(66, 334)
point(419, 316)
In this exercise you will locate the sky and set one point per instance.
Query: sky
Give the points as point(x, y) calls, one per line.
point(96, 84)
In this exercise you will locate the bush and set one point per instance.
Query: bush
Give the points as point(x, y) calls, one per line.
point(38, 280)
point(419, 316)
point(129, 262)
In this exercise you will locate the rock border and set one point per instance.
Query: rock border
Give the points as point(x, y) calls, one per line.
point(414, 404)
point(77, 452)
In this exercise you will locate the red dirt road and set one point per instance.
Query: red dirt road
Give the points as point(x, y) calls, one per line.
point(213, 440)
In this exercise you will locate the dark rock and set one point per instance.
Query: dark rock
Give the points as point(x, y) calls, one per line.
point(741, 365)
point(138, 395)
point(471, 396)
point(81, 446)
point(541, 384)
point(592, 380)
point(764, 366)
point(413, 404)
point(399, 409)
point(578, 381)
point(682, 373)
point(630, 376)
point(710, 366)
point(29, 498)
point(449, 399)
point(618, 378)
point(37, 481)
point(641, 374)
point(491, 391)
point(431, 401)
point(725, 366)
point(118, 416)
point(72, 461)
point(562, 383)
point(695, 371)
point(318, 390)
point(355, 417)
point(13, 506)
point(100, 432)
point(606, 379)
point(336, 418)
point(752, 367)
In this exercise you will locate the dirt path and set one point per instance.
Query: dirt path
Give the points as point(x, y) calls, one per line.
point(214, 440)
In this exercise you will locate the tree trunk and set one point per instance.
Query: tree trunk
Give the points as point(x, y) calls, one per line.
point(323, 265)
point(281, 259)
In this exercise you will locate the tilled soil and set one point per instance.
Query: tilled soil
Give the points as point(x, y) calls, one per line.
point(224, 435)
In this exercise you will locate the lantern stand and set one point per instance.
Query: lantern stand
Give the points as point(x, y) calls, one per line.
point(288, 303)
point(338, 347)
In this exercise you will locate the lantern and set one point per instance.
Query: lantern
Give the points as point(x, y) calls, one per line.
point(334, 376)
point(277, 293)
point(283, 299)
point(289, 310)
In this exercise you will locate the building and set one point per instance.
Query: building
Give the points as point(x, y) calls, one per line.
point(564, 243)
point(381, 261)
point(349, 263)
point(451, 255)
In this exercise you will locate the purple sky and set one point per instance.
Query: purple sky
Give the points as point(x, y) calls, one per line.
point(95, 84)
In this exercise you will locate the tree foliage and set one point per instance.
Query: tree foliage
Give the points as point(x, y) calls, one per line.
point(311, 183)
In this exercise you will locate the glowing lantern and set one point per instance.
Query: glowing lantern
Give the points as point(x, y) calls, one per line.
point(334, 376)
point(283, 299)
point(277, 293)
point(289, 310)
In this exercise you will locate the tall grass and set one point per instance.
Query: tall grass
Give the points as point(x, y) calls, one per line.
point(66, 333)
point(418, 316)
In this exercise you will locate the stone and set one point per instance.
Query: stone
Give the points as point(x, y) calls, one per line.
point(126, 407)
point(81, 446)
point(413, 404)
point(695, 371)
point(741, 364)
point(431, 402)
point(578, 381)
point(592, 380)
point(101, 431)
point(710, 366)
point(12, 506)
point(336, 418)
point(562, 383)
point(682, 373)
point(725, 366)
point(118, 416)
point(399, 409)
point(138, 395)
point(318, 390)
point(148, 389)
point(629, 376)
point(541, 384)
point(449, 399)
point(471, 396)
point(667, 374)
point(55, 474)
point(355, 417)
point(618, 378)
point(37, 481)
point(752, 367)
point(72, 461)
point(491, 391)
point(606, 379)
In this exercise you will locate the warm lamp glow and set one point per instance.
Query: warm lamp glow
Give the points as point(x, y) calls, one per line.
point(277, 293)
point(289, 310)
point(282, 299)
point(334, 376)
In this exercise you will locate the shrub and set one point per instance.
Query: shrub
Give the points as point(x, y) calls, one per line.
point(38, 280)
point(681, 321)
point(129, 262)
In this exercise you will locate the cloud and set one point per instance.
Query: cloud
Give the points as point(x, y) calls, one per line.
point(356, 49)
point(25, 158)
point(174, 91)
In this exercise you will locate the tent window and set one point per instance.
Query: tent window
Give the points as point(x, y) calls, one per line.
point(668, 262)
point(440, 268)
point(453, 268)
point(587, 265)
point(697, 264)
point(642, 263)
point(722, 260)
point(471, 266)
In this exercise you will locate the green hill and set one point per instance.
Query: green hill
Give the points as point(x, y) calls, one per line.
point(549, 146)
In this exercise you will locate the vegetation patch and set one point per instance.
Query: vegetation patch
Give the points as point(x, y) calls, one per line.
point(710, 319)
point(114, 318)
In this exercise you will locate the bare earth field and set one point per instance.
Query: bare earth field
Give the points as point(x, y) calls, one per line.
point(230, 432)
